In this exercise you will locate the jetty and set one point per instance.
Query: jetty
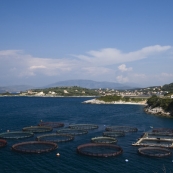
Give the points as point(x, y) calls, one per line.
point(155, 140)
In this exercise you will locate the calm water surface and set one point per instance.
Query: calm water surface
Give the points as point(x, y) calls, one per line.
point(19, 112)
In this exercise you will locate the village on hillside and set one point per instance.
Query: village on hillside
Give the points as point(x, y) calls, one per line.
point(79, 91)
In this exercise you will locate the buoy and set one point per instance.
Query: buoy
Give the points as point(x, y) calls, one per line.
point(57, 154)
point(126, 160)
point(8, 130)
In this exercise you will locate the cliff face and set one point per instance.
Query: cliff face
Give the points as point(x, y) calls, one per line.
point(158, 111)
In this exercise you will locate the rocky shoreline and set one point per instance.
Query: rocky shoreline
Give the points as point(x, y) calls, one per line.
point(158, 111)
point(147, 109)
point(96, 101)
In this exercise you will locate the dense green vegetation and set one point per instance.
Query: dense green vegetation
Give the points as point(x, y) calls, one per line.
point(165, 103)
point(71, 91)
point(168, 87)
point(119, 98)
point(6, 94)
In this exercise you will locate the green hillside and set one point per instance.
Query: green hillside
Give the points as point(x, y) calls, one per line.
point(165, 103)
point(168, 87)
point(68, 91)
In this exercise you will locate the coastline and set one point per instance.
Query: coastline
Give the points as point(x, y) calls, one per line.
point(95, 101)
point(41, 96)
point(157, 111)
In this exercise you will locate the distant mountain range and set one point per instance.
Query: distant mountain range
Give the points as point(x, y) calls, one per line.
point(90, 84)
point(81, 83)
point(15, 88)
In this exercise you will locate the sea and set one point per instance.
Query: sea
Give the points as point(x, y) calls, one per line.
point(19, 112)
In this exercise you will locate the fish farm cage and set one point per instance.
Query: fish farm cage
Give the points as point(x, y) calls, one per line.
point(37, 129)
point(155, 142)
point(105, 140)
point(113, 134)
point(51, 124)
point(99, 150)
point(34, 147)
point(55, 137)
point(73, 132)
point(159, 135)
point(16, 135)
point(3, 143)
point(121, 129)
point(84, 126)
point(154, 151)
point(163, 130)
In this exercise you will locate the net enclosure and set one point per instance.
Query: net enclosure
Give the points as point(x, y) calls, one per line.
point(113, 134)
point(3, 143)
point(163, 130)
point(72, 131)
point(34, 147)
point(102, 139)
point(121, 129)
point(55, 137)
point(52, 124)
point(38, 129)
point(83, 126)
point(151, 142)
point(159, 135)
point(99, 150)
point(16, 135)
point(154, 151)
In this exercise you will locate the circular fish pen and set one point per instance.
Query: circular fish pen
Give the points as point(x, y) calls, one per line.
point(55, 137)
point(38, 129)
point(163, 130)
point(16, 135)
point(73, 132)
point(154, 151)
point(3, 143)
point(83, 126)
point(34, 147)
point(121, 129)
point(52, 124)
point(113, 134)
point(104, 140)
point(99, 150)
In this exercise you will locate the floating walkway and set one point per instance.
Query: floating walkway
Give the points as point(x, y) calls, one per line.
point(155, 140)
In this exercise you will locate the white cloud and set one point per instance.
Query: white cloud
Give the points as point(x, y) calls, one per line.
point(96, 65)
point(111, 56)
point(122, 79)
point(123, 68)
point(140, 76)
point(167, 75)
point(9, 52)
point(37, 67)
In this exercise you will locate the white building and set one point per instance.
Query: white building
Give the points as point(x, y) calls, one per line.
point(40, 94)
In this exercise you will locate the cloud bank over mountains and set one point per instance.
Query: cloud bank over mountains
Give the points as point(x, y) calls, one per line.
point(109, 64)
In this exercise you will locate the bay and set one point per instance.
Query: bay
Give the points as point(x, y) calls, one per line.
point(19, 112)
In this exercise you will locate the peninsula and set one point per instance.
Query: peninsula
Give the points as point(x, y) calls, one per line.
point(153, 105)
point(117, 100)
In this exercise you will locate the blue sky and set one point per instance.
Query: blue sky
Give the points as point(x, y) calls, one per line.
point(127, 41)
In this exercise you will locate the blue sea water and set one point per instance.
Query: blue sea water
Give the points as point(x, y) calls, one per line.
point(19, 112)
